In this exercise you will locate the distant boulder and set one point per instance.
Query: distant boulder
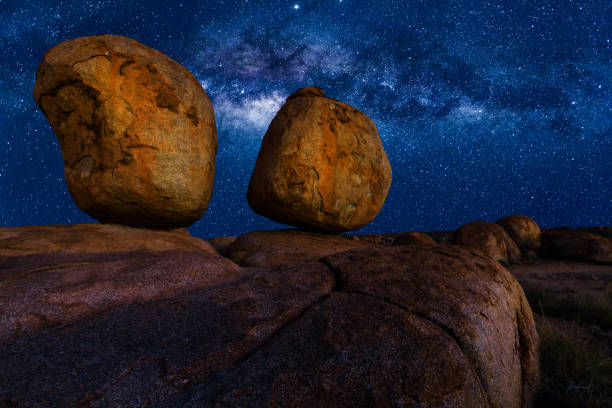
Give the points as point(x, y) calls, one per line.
point(136, 129)
point(489, 238)
point(321, 166)
point(524, 231)
point(577, 245)
point(414, 238)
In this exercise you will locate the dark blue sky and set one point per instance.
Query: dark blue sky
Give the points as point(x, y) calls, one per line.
point(485, 109)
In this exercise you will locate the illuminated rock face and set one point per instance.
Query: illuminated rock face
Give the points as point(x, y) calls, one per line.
point(321, 166)
point(489, 238)
point(524, 231)
point(136, 129)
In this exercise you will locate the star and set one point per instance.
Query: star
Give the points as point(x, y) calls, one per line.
point(296, 6)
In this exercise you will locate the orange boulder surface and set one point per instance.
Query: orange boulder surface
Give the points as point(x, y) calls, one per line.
point(136, 129)
point(321, 166)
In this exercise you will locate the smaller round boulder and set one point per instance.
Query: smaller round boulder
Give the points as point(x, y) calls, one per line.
point(321, 166)
point(489, 238)
point(524, 231)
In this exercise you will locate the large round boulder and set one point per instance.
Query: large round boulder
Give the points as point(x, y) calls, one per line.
point(524, 231)
point(321, 166)
point(489, 238)
point(136, 129)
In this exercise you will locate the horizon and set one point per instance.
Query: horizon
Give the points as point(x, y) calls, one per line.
point(483, 111)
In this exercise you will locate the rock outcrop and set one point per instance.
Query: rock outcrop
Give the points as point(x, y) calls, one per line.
point(321, 166)
point(572, 244)
point(489, 238)
point(414, 238)
point(396, 326)
point(524, 231)
point(270, 248)
point(93, 238)
point(136, 129)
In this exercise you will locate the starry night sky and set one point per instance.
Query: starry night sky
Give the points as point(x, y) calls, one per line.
point(485, 109)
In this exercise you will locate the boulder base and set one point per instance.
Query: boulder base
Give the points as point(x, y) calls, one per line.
point(269, 248)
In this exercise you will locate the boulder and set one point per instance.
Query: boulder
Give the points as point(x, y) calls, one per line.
point(136, 129)
point(221, 244)
point(468, 296)
point(572, 244)
point(414, 238)
point(321, 166)
point(489, 238)
point(524, 231)
point(269, 248)
point(92, 238)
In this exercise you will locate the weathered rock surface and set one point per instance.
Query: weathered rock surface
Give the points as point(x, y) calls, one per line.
point(221, 244)
point(572, 244)
point(524, 231)
point(136, 129)
point(45, 290)
point(489, 238)
point(414, 238)
point(321, 166)
point(92, 238)
point(434, 326)
point(269, 248)
point(139, 353)
point(350, 350)
point(469, 296)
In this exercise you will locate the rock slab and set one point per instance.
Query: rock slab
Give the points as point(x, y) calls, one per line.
point(92, 238)
point(136, 129)
point(321, 166)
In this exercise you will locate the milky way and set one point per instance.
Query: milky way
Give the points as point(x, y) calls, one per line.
point(485, 109)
